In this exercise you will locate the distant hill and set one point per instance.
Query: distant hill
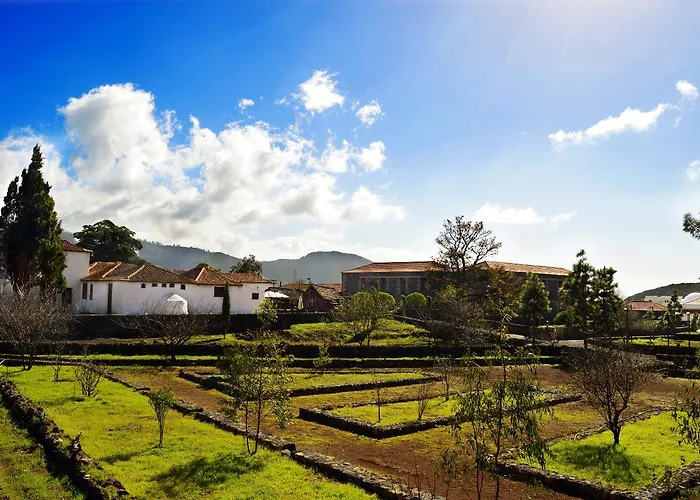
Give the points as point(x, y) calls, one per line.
point(321, 267)
point(682, 288)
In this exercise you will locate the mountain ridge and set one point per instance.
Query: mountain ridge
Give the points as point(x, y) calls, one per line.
point(666, 290)
point(319, 266)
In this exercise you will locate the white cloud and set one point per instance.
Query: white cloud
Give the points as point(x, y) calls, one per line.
point(630, 119)
point(494, 213)
point(245, 103)
point(212, 190)
point(372, 158)
point(687, 90)
point(693, 171)
point(370, 113)
point(319, 93)
point(335, 160)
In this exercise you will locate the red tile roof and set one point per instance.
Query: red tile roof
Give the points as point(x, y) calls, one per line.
point(338, 287)
point(645, 305)
point(203, 275)
point(72, 247)
point(524, 268)
point(124, 271)
point(393, 267)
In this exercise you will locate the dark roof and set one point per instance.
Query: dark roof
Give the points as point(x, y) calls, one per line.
point(72, 247)
point(338, 287)
point(394, 267)
point(289, 292)
point(325, 292)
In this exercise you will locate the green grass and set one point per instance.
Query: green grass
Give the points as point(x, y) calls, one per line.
point(663, 341)
point(398, 413)
point(300, 380)
point(390, 332)
point(647, 448)
point(196, 461)
point(23, 469)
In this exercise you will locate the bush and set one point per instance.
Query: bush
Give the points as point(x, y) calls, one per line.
point(416, 300)
point(562, 318)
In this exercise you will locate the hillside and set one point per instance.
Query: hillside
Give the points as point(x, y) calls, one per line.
point(321, 267)
point(682, 288)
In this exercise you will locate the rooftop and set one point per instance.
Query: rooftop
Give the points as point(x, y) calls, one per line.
point(644, 305)
point(72, 247)
point(525, 268)
point(425, 266)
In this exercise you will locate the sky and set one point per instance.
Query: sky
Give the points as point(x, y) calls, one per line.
point(282, 128)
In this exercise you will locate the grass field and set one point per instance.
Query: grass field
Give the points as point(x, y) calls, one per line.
point(196, 461)
point(300, 380)
point(390, 332)
point(647, 448)
point(23, 472)
point(398, 413)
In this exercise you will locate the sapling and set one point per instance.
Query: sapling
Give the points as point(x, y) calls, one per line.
point(161, 400)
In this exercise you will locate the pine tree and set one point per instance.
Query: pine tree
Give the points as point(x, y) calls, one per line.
point(226, 309)
point(673, 315)
point(533, 303)
point(605, 301)
point(576, 295)
point(30, 232)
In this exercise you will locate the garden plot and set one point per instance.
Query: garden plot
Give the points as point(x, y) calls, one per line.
point(197, 459)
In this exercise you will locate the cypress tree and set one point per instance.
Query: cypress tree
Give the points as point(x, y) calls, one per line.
point(226, 309)
point(30, 232)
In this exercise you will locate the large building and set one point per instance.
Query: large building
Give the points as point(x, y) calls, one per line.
point(402, 278)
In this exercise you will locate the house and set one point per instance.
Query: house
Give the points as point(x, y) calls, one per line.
point(77, 266)
point(642, 307)
point(285, 298)
point(403, 278)
point(319, 298)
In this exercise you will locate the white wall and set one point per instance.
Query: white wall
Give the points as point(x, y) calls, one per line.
point(130, 298)
point(77, 267)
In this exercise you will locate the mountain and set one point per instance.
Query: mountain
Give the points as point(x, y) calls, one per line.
point(682, 288)
point(321, 267)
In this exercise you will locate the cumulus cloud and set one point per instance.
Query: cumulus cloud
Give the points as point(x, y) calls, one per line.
point(211, 189)
point(370, 113)
point(347, 158)
point(630, 120)
point(372, 158)
point(494, 213)
point(319, 93)
point(245, 103)
point(693, 171)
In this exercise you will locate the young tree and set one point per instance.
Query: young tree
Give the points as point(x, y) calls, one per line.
point(606, 302)
point(161, 400)
point(267, 312)
point(57, 360)
point(29, 323)
point(416, 300)
point(462, 246)
point(608, 378)
point(576, 294)
point(423, 398)
point(673, 316)
point(379, 393)
point(323, 360)
point(363, 313)
point(248, 265)
point(533, 303)
point(259, 380)
point(226, 309)
point(89, 375)
point(448, 370)
point(30, 233)
point(109, 242)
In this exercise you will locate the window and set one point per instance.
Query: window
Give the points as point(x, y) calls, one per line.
point(143, 285)
point(164, 285)
point(382, 283)
point(363, 283)
point(182, 287)
point(256, 296)
point(219, 291)
point(90, 291)
point(153, 285)
point(85, 290)
point(172, 285)
point(423, 284)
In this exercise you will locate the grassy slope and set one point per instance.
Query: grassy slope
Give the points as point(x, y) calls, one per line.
point(390, 332)
point(23, 473)
point(647, 448)
point(197, 460)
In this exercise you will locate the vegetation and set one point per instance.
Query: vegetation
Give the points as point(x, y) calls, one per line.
point(606, 302)
point(388, 332)
point(24, 471)
point(89, 375)
point(362, 313)
point(533, 303)
point(198, 461)
point(30, 233)
point(248, 265)
point(379, 394)
point(323, 360)
point(416, 300)
point(109, 242)
point(450, 372)
point(300, 380)
point(423, 398)
point(576, 295)
point(161, 400)
point(673, 315)
point(608, 378)
point(267, 313)
point(400, 413)
point(259, 385)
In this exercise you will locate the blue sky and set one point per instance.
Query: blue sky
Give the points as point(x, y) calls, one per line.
point(138, 107)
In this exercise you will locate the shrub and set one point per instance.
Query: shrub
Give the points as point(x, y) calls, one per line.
point(416, 300)
point(89, 376)
point(161, 400)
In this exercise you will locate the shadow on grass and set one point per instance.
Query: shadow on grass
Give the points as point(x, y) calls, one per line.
point(121, 457)
point(608, 461)
point(203, 473)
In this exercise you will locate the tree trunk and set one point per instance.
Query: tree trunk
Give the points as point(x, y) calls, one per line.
point(616, 434)
point(161, 428)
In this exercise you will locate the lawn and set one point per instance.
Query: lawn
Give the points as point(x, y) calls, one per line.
point(663, 341)
point(390, 332)
point(196, 461)
point(398, 413)
point(647, 449)
point(23, 469)
point(311, 379)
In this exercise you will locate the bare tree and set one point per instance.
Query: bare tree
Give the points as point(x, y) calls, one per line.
point(379, 393)
point(57, 360)
point(608, 378)
point(29, 323)
point(160, 321)
point(423, 396)
point(89, 375)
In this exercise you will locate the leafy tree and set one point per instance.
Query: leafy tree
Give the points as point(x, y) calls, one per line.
point(694, 323)
point(30, 233)
point(416, 300)
point(267, 313)
point(323, 360)
point(691, 225)
point(533, 303)
point(608, 378)
point(673, 315)
point(259, 380)
point(161, 400)
point(462, 246)
point(606, 302)
point(248, 265)
point(455, 317)
point(109, 242)
point(687, 417)
point(363, 312)
point(226, 309)
point(576, 294)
